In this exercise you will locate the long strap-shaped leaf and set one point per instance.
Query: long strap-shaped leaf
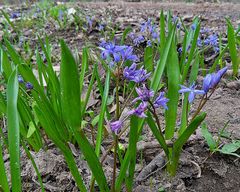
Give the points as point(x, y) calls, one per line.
point(13, 131)
point(157, 75)
point(102, 113)
point(233, 48)
point(173, 74)
point(177, 146)
point(70, 88)
point(133, 149)
point(3, 177)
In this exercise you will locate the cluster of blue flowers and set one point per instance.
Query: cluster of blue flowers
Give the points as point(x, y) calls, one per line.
point(209, 82)
point(208, 39)
point(136, 75)
point(145, 96)
point(148, 32)
point(116, 53)
point(28, 85)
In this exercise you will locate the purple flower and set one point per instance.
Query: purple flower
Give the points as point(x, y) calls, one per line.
point(116, 126)
point(179, 50)
point(100, 27)
point(116, 53)
point(132, 74)
point(155, 35)
point(175, 19)
point(212, 80)
point(191, 90)
point(207, 83)
point(60, 14)
point(144, 94)
point(132, 35)
point(138, 40)
point(127, 54)
point(15, 15)
point(28, 86)
point(89, 22)
point(129, 72)
point(199, 42)
point(139, 111)
point(178, 25)
point(161, 101)
point(193, 26)
point(20, 79)
point(211, 40)
point(149, 43)
point(145, 25)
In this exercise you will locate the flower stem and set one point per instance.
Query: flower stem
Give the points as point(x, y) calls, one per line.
point(115, 136)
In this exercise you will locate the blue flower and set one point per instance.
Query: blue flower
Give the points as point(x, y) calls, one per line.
point(212, 80)
point(193, 26)
point(139, 111)
point(155, 35)
point(179, 50)
point(146, 25)
point(28, 86)
point(144, 94)
point(199, 42)
point(149, 43)
point(161, 101)
point(127, 54)
point(20, 79)
point(207, 83)
point(116, 126)
point(136, 75)
point(178, 25)
point(100, 27)
point(138, 40)
point(15, 15)
point(192, 91)
point(89, 22)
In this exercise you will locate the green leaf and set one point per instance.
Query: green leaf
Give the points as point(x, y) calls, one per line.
point(156, 133)
point(47, 122)
point(70, 88)
point(92, 160)
point(192, 51)
point(157, 75)
point(185, 106)
point(133, 149)
point(230, 148)
point(232, 48)
point(162, 31)
point(6, 65)
point(16, 58)
point(13, 131)
point(148, 59)
point(102, 114)
point(3, 105)
point(189, 131)
point(178, 144)
point(173, 75)
point(208, 137)
point(83, 68)
point(125, 33)
point(34, 166)
point(3, 177)
point(31, 129)
point(84, 107)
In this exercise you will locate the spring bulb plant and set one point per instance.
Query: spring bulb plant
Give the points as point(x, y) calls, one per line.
point(155, 90)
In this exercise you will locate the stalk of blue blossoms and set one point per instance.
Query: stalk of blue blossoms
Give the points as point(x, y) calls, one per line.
point(210, 83)
point(116, 56)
